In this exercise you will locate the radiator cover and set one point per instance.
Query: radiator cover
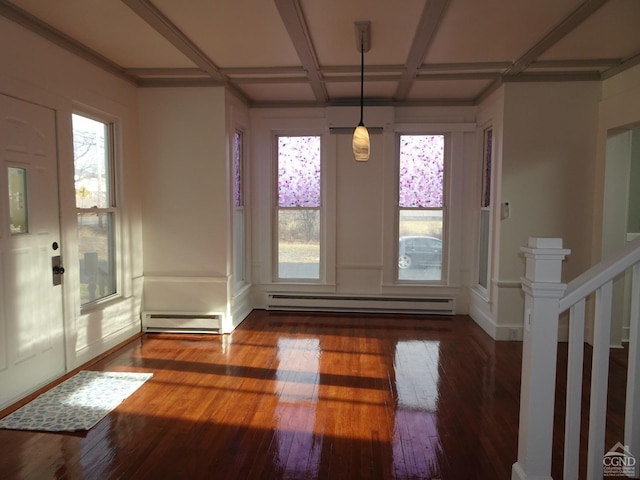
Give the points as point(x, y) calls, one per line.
point(359, 303)
point(181, 322)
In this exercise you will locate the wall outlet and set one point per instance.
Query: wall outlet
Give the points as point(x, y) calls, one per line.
point(513, 334)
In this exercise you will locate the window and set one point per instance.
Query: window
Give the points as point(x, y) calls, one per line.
point(485, 210)
point(298, 210)
point(238, 207)
point(420, 207)
point(95, 207)
point(18, 215)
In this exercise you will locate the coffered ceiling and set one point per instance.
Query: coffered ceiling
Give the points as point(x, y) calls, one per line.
point(304, 52)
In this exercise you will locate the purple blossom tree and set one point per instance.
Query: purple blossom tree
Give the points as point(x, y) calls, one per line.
point(299, 185)
point(421, 171)
point(299, 171)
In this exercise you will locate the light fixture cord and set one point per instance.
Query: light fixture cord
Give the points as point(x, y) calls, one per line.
point(361, 78)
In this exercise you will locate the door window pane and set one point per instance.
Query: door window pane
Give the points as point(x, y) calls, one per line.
point(18, 213)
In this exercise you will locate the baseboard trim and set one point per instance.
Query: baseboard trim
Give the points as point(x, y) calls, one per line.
point(483, 320)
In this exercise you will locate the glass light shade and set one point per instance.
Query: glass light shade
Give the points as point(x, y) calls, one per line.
point(361, 143)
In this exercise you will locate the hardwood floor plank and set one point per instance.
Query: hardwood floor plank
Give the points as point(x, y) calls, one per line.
point(308, 396)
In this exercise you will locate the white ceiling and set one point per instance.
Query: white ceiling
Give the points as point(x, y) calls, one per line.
point(304, 52)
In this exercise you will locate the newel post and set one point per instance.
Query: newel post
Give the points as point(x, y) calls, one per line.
point(543, 291)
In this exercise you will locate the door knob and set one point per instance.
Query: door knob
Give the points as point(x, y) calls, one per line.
point(57, 269)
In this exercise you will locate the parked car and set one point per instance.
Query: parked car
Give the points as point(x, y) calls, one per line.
point(418, 251)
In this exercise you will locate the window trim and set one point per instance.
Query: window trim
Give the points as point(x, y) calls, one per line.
point(275, 277)
point(484, 291)
point(444, 208)
point(114, 208)
point(239, 282)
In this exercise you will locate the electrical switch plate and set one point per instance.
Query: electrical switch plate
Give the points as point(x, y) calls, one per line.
point(506, 211)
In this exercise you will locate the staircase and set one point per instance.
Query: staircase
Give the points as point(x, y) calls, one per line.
point(545, 299)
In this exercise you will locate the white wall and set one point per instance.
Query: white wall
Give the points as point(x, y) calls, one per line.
point(185, 199)
point(544, 145)
point(36, 70)
point(619, 110)
point(547, 176)
point(547, 170)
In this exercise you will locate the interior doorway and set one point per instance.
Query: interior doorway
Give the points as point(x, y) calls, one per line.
point(621, 218)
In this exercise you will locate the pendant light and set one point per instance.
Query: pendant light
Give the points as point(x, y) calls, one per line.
point(361, 145)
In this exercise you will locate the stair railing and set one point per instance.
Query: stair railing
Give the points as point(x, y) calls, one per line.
point(545, 299)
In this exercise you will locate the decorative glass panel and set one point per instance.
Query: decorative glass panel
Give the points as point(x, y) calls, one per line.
point(420, 245)
point(96, 242)
point(483, 263)
point(238, 236)
point(485, 210)
point(237, 169)
point(91, 160)
point(486, 168)
point(421, 171)
point(299, 171)
point(18, 212)
point(299, 243)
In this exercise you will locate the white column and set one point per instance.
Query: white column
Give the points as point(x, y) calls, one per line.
point(543, 290)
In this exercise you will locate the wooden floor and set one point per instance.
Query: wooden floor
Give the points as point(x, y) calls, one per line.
point(300, 396)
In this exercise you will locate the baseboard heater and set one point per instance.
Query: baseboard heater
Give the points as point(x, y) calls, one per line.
point(344, 303)
point(181, 322)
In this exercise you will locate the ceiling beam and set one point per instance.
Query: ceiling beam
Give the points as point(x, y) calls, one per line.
point(578, 63)
point(632, 61)
point(264, 71)
point(294, 22)
point(166, 72)
point(575, 18)
point(158, 21)
point(427, 27)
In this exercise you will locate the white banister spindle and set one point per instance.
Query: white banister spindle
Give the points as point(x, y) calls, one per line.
point(599, 380)
point(543, 291)
point(575, 361)
point(632, 409)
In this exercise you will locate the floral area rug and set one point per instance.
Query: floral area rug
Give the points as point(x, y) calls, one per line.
point(76, 404)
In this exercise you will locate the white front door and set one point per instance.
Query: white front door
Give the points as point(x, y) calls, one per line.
point(31, 318)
